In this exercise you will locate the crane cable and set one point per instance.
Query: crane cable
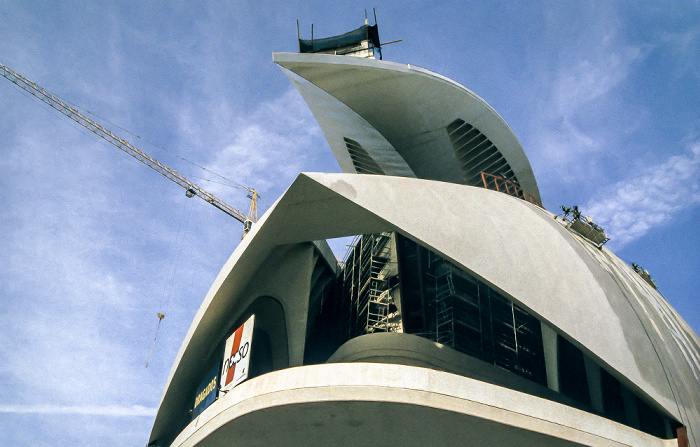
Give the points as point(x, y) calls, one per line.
point(160, 318)
point(168, 287)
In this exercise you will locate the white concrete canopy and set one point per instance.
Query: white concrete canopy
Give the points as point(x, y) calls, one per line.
point(400, 112)
point(580, 291)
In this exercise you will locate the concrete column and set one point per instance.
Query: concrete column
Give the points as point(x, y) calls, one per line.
point(595, 387)
point(631, 411)
point(551, 361)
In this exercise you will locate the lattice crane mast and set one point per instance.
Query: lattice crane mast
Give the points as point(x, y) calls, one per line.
point(191, 189)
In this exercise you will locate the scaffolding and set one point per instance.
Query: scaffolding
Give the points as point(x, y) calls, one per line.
point(452, 306)
point(472, 318)
point(458, 308)
point(444, 306)
point(366, 285)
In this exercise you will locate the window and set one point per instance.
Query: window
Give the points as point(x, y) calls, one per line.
point(613, 402)
point(573, 381)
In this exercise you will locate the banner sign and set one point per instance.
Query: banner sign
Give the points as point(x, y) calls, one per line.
point(237, 356)
point(206, 392)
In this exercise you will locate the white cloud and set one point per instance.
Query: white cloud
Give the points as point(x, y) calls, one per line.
point(684, 44)
point(67, 301)
point(570, 131)
point(90, 410)
point(564, 134)
point(592, 77)
point(632, 207)
point(272, 146)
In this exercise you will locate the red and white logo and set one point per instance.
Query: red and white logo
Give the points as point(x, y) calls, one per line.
point(237, 356)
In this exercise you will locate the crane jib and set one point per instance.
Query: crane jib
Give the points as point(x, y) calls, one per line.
point(120, 143)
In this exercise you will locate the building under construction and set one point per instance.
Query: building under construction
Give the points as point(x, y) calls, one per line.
point(388, 283)
point(463, 314)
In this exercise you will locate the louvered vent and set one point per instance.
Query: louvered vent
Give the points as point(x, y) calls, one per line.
point(364, 164)
point(476, 153)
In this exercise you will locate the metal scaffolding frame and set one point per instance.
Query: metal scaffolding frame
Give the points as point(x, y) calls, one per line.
point(455, 308)
point(459, 311)
point(472, 318)
point(366, 286)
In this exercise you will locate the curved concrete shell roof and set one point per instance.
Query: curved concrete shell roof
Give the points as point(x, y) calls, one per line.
point(386, 118)
point(582, 292)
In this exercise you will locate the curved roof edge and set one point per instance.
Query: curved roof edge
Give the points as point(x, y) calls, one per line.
point(442, 130)
point(415, 404)
point(571, 287)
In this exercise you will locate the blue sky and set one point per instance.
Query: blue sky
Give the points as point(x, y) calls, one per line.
point(604, 99)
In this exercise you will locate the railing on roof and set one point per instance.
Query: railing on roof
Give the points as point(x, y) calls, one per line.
point(497, 183)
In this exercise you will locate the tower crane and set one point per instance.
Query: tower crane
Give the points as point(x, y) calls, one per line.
point(191, 189)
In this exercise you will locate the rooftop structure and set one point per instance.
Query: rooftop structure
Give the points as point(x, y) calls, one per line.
point(463, 313)
point(361, 42)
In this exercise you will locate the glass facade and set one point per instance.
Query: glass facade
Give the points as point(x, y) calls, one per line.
point(390, 283)
point(452, 307)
